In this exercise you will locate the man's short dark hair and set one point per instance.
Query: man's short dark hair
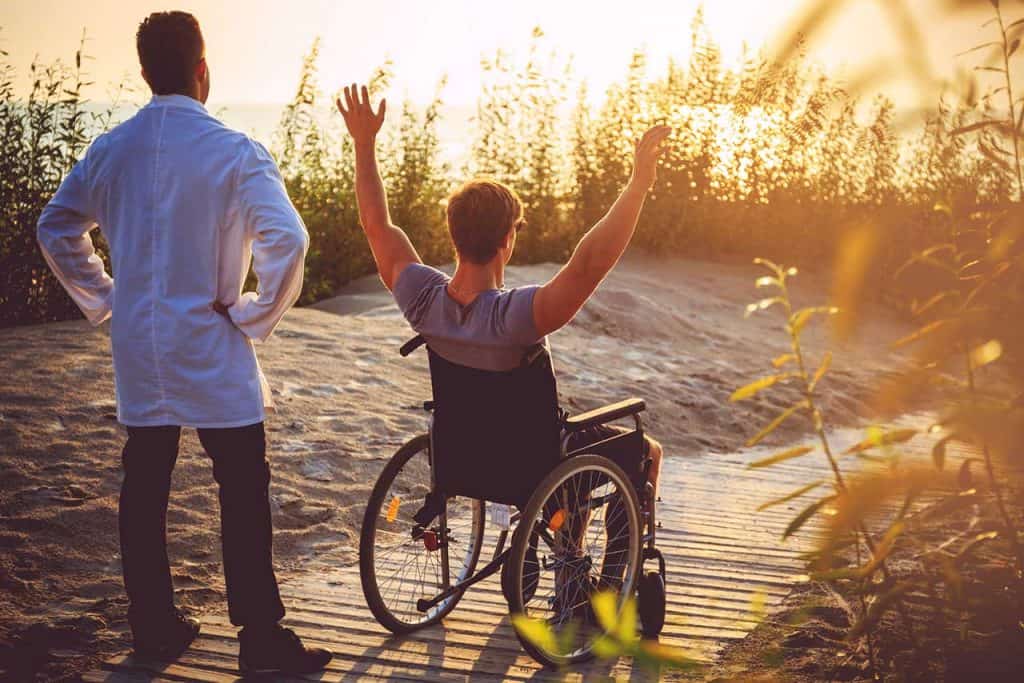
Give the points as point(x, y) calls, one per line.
point(170, 45)
point(480, 214)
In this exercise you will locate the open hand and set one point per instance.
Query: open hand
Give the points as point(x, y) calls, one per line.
point(360, 119)
point(648, 150)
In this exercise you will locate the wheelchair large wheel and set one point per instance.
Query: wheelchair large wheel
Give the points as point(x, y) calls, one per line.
point(587, 517)
point(397, 567)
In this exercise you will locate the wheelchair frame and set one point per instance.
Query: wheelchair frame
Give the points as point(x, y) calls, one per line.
point(646, 514)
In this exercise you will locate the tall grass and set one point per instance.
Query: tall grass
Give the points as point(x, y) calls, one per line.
point(42, 135)
point(774, 158)
point(953, 527)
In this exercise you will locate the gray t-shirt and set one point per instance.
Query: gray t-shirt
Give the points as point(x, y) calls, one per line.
point(492, 333)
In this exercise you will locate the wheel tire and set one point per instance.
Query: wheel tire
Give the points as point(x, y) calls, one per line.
point(520, 544)
point(367, 570)
point(651, 599)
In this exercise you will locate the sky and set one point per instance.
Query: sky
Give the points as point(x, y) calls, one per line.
point(255, 47)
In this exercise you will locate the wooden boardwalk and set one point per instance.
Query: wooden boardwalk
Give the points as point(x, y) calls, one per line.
point(720, 554)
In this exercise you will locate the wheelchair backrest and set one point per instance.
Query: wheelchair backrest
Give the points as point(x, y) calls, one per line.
point(495, 434)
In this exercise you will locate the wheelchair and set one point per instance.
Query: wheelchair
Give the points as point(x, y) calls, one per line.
point(581, 520)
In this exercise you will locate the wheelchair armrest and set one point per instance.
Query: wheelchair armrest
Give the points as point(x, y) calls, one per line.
point(411, 345)
point(631, 406)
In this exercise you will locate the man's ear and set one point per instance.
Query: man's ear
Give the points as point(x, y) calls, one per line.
point(201, 70)
point(145, 77)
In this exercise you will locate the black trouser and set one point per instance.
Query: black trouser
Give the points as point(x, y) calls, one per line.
point(241, 469)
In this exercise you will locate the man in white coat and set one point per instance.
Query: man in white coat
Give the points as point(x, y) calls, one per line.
point(186, 204)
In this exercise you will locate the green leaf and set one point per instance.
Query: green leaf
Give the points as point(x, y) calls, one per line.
point(976, 126)
point(805, 515)
point(756, 386)
point(920, 333)
point(761, 305)
point(790, 496)
point(626, 631)
point(606, 610)
point(780, 457)
point(779, 361)
point(878, 609)
point(919, 309)
point(974, 543)
point(826, 362)
point(991, 43)
point(844, 574)
point(882, 549)
point(660, 653)
point(537, 631)
point(774, 424)
point(879, 438)
point(758, 609)
point(800, 318)
point(770, 265)
point(606, 647)
point(987, 353)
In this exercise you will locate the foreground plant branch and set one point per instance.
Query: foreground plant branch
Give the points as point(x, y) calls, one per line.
point(796, 320)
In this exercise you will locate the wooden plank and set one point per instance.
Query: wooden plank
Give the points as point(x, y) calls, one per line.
point(719, 557)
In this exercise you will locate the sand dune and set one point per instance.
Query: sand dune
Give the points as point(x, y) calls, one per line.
point(670, 331)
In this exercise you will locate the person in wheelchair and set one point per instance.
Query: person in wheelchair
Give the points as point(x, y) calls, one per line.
point(470, 318)
point(472, 324)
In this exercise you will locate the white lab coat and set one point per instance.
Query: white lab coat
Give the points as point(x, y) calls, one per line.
point(185, 204)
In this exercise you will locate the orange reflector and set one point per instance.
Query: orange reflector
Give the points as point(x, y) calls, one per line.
point(392, 513)
point(557, 520)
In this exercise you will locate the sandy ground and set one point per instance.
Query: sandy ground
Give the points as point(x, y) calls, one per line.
point(670, 331)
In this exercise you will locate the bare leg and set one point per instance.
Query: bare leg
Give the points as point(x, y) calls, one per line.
point(655, 453)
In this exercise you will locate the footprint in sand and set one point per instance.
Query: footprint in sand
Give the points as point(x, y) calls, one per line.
point(294, 446)
point(318, 470)
point(71, 495)
point(339, 425)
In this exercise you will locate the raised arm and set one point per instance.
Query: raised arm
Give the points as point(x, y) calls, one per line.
point(63, 234)
point(391, 247)
point(599, 250)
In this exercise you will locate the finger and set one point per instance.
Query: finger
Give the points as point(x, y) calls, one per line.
point(355, 95)
point(381, 109)
point(366, 98)
point(656, 133)
point(348, 98)
point(654, 137)
point(341, 107)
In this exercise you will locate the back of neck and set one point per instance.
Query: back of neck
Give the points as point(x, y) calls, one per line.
point(471, 279)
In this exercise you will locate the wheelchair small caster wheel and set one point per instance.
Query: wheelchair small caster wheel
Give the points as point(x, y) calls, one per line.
point(651, 604)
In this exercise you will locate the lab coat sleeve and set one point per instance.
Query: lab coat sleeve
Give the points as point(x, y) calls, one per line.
point(63, 234)
point(279, 245)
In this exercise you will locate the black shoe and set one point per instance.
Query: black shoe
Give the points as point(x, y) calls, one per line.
point(164, 638)
point(278, 650)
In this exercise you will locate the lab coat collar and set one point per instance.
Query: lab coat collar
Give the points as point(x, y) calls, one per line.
point(177, 101)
